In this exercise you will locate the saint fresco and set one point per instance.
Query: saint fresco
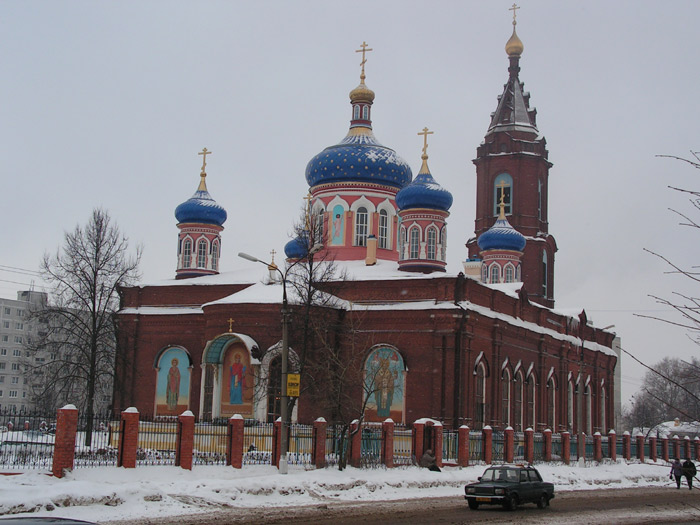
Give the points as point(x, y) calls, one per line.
point(173, 383)
point(384, 384)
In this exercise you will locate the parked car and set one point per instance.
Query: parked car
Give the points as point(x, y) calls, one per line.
point(510, 486)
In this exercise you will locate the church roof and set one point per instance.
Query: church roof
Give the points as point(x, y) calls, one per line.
point(424, 192)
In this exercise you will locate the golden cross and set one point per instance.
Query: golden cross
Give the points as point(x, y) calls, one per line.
point(204, 154)
point(272, 253)
point(425, 134)
point(230, 324)
point(514, 8)
point(502, 205)
point(363, 51)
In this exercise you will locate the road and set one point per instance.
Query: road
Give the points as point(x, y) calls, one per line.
point(653, 505)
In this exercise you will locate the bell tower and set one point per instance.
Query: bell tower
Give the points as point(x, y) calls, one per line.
point(512, 167)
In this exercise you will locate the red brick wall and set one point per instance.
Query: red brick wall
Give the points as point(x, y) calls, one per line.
point(64, 440)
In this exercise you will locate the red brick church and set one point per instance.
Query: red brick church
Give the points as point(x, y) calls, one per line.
point(478, 345)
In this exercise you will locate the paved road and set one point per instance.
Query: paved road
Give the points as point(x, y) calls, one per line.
point(662, 505)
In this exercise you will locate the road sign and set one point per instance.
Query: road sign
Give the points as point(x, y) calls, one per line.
point(293, 382)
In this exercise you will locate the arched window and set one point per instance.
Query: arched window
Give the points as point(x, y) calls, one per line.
point(603, 425)
point(505, 397)
point(503, 184)
point(432, 243)
point(570, 407)
point(531, 393)
point(414, 245)
point(495, 274)
point(356, 112)
point(484, 273)
point(319, 227)
point(551, 405)
point(589, 414)
point(187, 254)
point(361, 224)
point(443, 241)
point(383, 229)
point(544, 274)
point(365, 112)
point(480, 397)
point(509, 274)
point(215, 256)
point(202, 254)
point(402, 243)
point(518, 402)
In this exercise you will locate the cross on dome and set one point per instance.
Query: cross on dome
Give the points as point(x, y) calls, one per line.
point(364, 50)
point(425, 134)
point(514, 9)
point(204, 154)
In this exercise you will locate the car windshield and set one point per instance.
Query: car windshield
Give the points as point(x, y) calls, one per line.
point(500, 474)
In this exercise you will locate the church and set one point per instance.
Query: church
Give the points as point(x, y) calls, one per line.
point(364, 309)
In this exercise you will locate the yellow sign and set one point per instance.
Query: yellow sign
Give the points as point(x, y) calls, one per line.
point(293, 382)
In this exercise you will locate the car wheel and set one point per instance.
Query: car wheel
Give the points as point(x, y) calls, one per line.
point(473, 504)
point(543, 501)
point(510, 502)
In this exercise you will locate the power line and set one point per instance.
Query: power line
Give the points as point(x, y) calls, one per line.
point(26, 270)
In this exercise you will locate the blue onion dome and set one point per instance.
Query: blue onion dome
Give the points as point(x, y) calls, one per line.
point(359, 157)
point(201, 207)
point(502, 236)
point(297, 248)
point(424, 192)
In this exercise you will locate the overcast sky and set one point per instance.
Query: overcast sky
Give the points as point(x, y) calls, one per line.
point(107, 104)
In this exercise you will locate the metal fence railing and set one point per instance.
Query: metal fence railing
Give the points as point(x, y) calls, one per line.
point(498, 455)
point(519, 447)
point(371, 446)
point(538, 443)
point(476, 447)
point(403, 441)
point(450, 448)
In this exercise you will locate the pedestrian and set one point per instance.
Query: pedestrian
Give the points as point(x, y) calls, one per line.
point(676, 472)
point(428, 461)
point(689, 472)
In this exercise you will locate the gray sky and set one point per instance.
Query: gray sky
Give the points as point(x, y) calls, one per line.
point(107, 104)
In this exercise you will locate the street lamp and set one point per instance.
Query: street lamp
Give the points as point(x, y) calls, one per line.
point(284, 401)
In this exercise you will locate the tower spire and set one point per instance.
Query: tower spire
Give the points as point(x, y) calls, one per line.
point(203, 173)
point(424, 157)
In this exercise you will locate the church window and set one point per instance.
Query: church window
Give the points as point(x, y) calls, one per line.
point(215, 256)
point(361, 223)
point(544, 275)
point(603, 426)
point(480, 397)
point(503, 185)
point(509, 274)
point(539, 199)
point(365, 112)
point(495, 274)
point(319, 227)
point(589, 415)
point(551, 404)
point(356, 112)
point(484, 273)
point(518, 402)
point(402, 243)
point(383, 229)
point(443, 241)
point(432, 243)
point(202, 254)
point(414, 245)
point(570, 407)
point(531, 392)
point(187, 254)
point(505, 398)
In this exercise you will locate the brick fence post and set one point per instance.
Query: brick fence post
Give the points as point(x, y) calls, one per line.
point(388, 443)
point(417, 440)
point(184, 445)
point(686, 447)
point(234, 450)
point(529, 445)
point(547, 444)
point(676, 447)
point(597, 447)
point(129, 439)
point(463, 446)
point(355, 445)
point(640, 446)
point(566, 447)
point(696, 443)
point(437, 443)
point(487, 444)
point(626, 445)
point(64, 440)
point(508, 444)
point(652, 448)
point(612, 445)
point(319, 442)
point(664, 448)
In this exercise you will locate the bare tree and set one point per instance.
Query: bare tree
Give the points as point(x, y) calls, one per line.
point(84, 274)
point(685, 304)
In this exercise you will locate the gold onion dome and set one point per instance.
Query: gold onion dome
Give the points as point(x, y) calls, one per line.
point(362, 93)
point(514, 46)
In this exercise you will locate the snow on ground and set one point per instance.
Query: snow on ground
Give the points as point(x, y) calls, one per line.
point(110, 493)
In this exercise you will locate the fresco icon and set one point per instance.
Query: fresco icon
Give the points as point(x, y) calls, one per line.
point(173, 383)
point(384, 385)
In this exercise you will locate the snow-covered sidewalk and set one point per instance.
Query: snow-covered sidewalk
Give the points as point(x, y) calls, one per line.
point(109, 493)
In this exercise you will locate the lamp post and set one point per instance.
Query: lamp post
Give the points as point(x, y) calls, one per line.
point(284, 400)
